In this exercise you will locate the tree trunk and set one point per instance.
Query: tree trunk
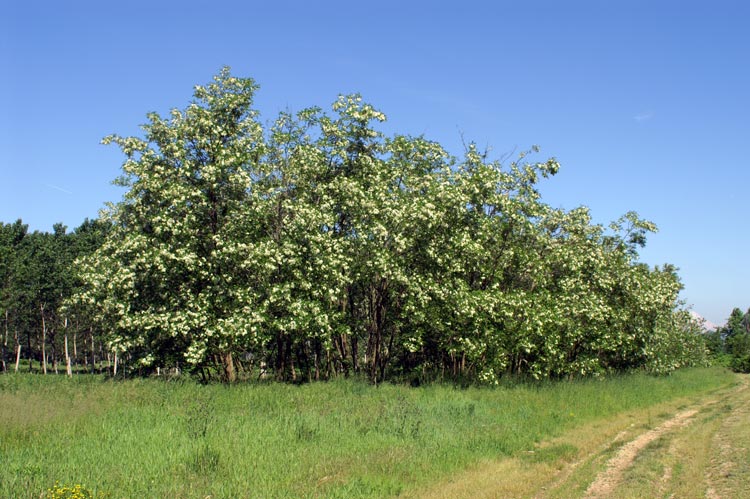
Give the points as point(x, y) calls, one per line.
point(316, 358)
point(290, 356)
point(375, 333)
point(68, 367)
point(44, 340)
point(230, 376)
point(18, 352)
point(5, 341)
point(93, 351)
point(31, 352)
point(343, 352)
point(54, 354)
point(355, 354)
point(280, 357)
point(114, 368)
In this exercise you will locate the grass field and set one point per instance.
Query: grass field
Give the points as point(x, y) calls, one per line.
point(343, 439)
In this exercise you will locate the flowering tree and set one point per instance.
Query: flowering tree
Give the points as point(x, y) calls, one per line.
point(320, 247)
point(171, 274)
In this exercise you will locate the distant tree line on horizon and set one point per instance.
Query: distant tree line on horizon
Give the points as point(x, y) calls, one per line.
point(317, 247)
point(731, 342)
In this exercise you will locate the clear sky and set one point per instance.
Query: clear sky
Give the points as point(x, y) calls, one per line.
point(646, 104)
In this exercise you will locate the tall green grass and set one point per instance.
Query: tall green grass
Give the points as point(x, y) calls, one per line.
point(343, 439)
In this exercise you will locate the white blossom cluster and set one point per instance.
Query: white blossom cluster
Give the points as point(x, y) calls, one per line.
point(320, 246)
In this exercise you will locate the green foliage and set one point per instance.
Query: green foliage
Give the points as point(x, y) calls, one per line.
point(731, 343)
point(37, 281)
point(318, 247)
point(738, 346)
point(11, 292)
point(741, 362)
point(736, 323)
point(715, 342)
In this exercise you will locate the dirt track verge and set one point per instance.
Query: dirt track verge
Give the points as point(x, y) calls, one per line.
point(692, 448)
point(608, 480)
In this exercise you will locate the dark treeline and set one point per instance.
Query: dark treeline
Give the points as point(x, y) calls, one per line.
point(36, 277)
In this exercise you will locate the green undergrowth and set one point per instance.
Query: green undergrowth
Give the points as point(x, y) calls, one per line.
point(340, 439)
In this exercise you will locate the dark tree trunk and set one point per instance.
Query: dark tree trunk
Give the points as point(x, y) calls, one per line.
point(93, 351)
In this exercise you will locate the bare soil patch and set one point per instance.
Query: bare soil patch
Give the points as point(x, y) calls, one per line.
point(606, 481)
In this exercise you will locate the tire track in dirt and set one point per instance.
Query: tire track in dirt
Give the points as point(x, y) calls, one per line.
point(724, 462)
point(609, 452)
point(607, 480)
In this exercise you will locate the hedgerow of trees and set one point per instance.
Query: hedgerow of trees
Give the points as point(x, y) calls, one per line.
point(316, 246)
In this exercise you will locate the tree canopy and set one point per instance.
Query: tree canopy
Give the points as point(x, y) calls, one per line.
point(316, 246)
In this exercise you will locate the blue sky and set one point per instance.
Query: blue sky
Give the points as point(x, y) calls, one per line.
point(645, 104)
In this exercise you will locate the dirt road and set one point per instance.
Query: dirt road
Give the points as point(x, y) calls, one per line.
point(687, 450)
point(699, 452)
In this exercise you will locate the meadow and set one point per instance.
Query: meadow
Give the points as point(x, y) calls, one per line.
point(340, 439)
